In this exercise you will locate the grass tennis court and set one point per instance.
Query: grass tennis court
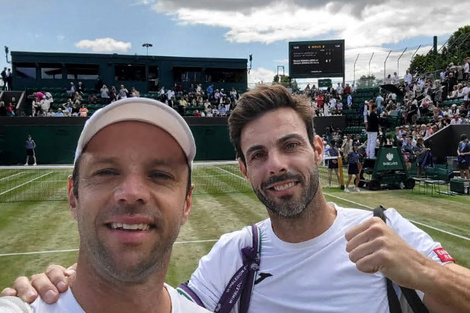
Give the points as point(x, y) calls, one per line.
point(36, 228)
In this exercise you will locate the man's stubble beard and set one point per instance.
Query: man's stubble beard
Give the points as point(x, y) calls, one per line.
point(290, 208)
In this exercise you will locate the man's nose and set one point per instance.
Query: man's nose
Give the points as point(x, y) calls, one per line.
point(276, 163)
point(133, 189)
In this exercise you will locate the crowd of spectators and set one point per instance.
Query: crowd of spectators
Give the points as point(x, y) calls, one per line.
point(422, 105)
point(204, 103)
point(195, 101)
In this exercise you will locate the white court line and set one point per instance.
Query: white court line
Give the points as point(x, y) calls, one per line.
point(414, 222)
point(29, 181)
point(8, 177)
point(75, 250)
point(370, 208)
point(228, 172)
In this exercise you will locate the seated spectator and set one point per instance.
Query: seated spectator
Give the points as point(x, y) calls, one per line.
point(3, 109)
point(11, 110)
point(123, 92)
point(456, 120)
point(233, 94)
point(222, 111)
point(72, 90)
point(217, 96)
point(77, 99)
point(227, 102)
point(83, 112)
point(134, 92)
point(183, 102)
point(215, 112)
point(162, 95)
point(92, 98)
point(113, 94)
point(49, 97)
point(104, 93)
point(453, 109)
point(38, 96)
point(339, 108)
point(59, 113)
point(81, 88)
point(67, 107)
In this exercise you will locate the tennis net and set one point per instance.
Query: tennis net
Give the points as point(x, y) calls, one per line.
point(49, 183)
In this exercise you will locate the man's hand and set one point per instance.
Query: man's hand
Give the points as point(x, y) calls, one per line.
point(373, 246)
point(47, 285)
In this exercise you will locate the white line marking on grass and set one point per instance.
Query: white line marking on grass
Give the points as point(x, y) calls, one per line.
point(8, 177)
point(228, 172)
point(38, 252)
point(29, 181)
point(414, 222)
point(75, 250)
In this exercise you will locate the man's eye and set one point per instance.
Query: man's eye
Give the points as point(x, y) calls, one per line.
point(292, 145)
point(107, 172)
point(160, 175)
point(256, 155)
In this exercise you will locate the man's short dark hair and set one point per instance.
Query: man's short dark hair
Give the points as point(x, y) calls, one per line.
point(261, 100)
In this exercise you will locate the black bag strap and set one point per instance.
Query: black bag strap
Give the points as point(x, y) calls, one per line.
point(410, 295)
point(240, 285)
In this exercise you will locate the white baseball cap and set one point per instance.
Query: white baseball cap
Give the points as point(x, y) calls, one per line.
point(143, 110)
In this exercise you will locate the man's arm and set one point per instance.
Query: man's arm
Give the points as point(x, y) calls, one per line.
point(373, 246)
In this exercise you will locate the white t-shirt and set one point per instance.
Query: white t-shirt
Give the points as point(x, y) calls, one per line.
point(311, 276)
point(466, 93)
point(68, 304)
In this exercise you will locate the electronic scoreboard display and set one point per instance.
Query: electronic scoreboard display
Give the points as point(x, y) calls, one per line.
point(314, 59)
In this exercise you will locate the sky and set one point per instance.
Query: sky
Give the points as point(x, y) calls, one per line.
point(372, 30)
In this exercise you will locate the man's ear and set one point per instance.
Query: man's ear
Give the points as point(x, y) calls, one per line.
point(318, 148)
point(242, 168)
point(187, 206)
point(72, 198)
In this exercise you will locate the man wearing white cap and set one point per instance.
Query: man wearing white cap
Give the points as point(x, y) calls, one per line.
point(131, 192)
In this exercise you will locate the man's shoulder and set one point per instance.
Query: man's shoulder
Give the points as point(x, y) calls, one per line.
point(14, 305)
point(241, 237)
point(66, 303)
point(181, 304)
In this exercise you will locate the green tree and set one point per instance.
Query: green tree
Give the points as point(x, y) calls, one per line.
point(365, 81)
point(286, 81)
point(455, 51)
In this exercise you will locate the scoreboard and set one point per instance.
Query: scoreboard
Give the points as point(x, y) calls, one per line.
point(315, 59)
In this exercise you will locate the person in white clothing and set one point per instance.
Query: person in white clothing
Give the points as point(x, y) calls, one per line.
point(466, 69)
point(408, 78)
point(68, 303)
point(315, 256)
point(129, 203)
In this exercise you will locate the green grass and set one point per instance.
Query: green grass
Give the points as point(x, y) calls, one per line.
point(222, 204)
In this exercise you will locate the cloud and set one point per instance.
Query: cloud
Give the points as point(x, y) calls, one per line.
point(104, 45)
point(260, 75)
point(361, 23)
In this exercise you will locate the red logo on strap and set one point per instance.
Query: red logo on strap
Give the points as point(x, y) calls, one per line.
point(443, 255)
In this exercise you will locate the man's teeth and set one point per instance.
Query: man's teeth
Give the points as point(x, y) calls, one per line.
point(130, 226)
point(284, 187)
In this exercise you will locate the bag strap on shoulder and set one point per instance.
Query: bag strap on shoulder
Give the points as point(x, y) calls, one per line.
point(410, 295)
point(241, 284)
